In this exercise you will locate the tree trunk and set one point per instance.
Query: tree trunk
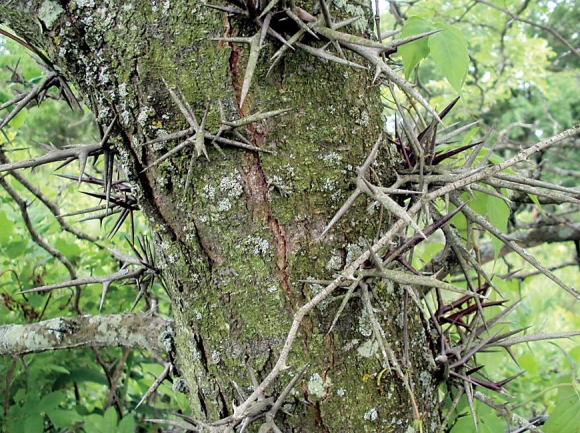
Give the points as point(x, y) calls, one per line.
point(238, 245)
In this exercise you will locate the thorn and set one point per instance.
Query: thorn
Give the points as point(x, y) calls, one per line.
point(106, 285)
point(326, 14)
point(268, 8)
point(265, 27)
point(298, 20)
point(226, 9)
point(155, 384)
point(321, 53)
point(251, 67)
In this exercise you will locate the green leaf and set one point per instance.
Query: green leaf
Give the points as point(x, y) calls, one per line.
point(95, 423)
point(7, 227)
point(413, 52)
point(449, 52)
point(537, 203)
point(19, 119)
point(529, 363)
point(70, 250)
point(58, 368)
point(424, 253)
point(111, 418)
point(80, 375)
point(487, 421)
point(16, 248)
point(127, 424)
point(64, 418)
point(469, 136)
point(498, 213)
point(34, 424)
point(566, 416)
point(51, 401)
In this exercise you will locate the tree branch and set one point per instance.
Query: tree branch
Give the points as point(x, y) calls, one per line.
point(126, 330)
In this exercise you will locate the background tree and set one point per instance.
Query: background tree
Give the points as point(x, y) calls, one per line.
point(253, 271)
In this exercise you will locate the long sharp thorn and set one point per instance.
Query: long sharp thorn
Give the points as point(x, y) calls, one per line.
point(449, 107)
point(348, 203)
point(254, 118)
point(447, 137)
point(300, 23)
point(155, 384)
point(200, 137)
point(335, 35)
point(278, 54)
point(108, 179)
point(188, 112)
point(326, 14)
point(473, 156)
point(389, 204)
point(251, 66)
point(348, 21)
point(401, 41)
point(371, 158)
point(280, 400)
point(226, 9)
point(106, 285)
point(320, 53)
point(278, 36)
point(108, 132)
point(83, 156)
point(265, 27)
point(268, 8)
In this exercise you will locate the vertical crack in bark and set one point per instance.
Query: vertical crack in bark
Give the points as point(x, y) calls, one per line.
point(319, 421)
point(255, 183)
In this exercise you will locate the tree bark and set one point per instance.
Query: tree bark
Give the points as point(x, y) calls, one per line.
point(237, 247)
point(110, 330)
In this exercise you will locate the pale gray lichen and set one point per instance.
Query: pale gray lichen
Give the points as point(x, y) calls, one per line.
point(332, 158)
point(224, 205)
point(232, 185)
point(208, 192)
point(371, 415)
point(317, 386)
point(179, 385)
point(260, 246)
point(335, 262)
point(49, 13)
point(353, 251)
point(143, 116)
point(195, 354)
point(364, 119)
point(368, 348)
point(315, 289)
point(329, 185)
point(349, 346)
point(365, 326)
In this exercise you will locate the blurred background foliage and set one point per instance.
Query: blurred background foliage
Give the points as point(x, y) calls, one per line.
point(522, 84)
point(63, 390)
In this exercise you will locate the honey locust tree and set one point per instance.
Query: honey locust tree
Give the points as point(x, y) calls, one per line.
point(245, 134)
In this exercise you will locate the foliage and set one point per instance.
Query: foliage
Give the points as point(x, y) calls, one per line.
point(54, 391)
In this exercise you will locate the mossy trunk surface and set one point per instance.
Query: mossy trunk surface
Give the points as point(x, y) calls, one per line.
point(236, 247)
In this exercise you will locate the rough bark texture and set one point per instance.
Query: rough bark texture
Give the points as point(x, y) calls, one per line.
point(236, 247)
point(126, 330)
